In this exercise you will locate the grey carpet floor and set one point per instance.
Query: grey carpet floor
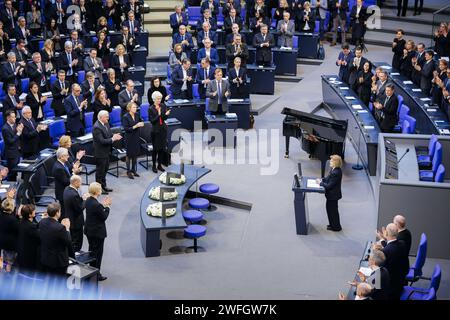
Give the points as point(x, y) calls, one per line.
point(256, 254)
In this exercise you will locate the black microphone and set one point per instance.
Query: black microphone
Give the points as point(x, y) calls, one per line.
point(406, 151)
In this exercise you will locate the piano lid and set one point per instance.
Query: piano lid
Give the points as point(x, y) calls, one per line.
point(322, 127)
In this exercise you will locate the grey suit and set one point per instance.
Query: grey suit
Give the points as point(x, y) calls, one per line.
point(285, 37)
point(214, 100)
point(124, 99)
point(88, 65)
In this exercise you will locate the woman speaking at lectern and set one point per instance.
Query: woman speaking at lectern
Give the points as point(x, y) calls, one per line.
point(332, 186)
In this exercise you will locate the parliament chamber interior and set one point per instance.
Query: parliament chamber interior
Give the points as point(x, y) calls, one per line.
point(225, 150)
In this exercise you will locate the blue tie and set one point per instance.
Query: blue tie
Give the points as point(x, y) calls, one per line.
point(67, 169)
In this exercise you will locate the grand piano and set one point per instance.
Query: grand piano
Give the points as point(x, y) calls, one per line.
point(320, 137)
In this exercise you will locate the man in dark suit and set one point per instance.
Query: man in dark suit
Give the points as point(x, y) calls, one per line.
point(61, 173)
point(386, 112)
point(237, 76)
point(402, 8)
point(182, 81)
point(426, 72)
point(59, 14)
point(95, 227)
point(56, 245)
point(185, 39)
point(75, 112)
point(379, 90)
point(178, 18)
point(332, 186)
point(12, 101)
point(218, 92)
point(230, 5)
point(338, 13)
point(30, 133)
point(133, 25)
point(74, 207)
point(11, 135)
point(379, 278)
point(94, 64)
point(356, 66)
point(12, 72)
point(21, 32)
point(263, 42)
point(128, 41)
point(133, 6)
point(60, 90)
point(129, 94)
point(77, 45)
point(237, 49)
point(397, 262)
point(204, 75)
point(8, 16)
point(232, 19)
point(207, 18)
point(204, 34)
point(234, 32)
point(212, 6)
point(404, 235)
point(208, 52)
point(69, 62)
point(103, 139)
point(38, 72)
point(88, 89)
point(344, 61)
point(420, 61)
point(21, 52)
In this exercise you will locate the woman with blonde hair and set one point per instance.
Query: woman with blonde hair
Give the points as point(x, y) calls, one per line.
point(120, 62)
point(176, 57)
point(66, 142)
point(48, 55)
point(95, 226)
point(332, 186)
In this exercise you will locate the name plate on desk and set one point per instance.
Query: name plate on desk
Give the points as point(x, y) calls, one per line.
point(395, 74)
point(444, 131)
point(416, 90)
point(425, 99)
point(369, 127)
point(235, 100)
point(230, 115)
point(344, 88)
point(407, 82)
point(64, 116)
point(350, 98)
point(23, 165)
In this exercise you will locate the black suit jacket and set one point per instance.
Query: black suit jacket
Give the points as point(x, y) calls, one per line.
point(96, 215)
point(232, 53)
point(263, 53)
point(334, 11)
point(177, 82)
point(74, 207)
point(56, 243)
point(9, 76)
point(383, 292)
point(390, 115)
point(426, 76)
point(34, 104)
point(12, 142)
point(35, 75)
point(227, 24)
point(57, 103)
point(30, 136)
point(62, 180)
point(332, 184)
point(28, 245)
point(63, 62)
point(9, 228)
point(8, 105)
point(102, 140)
point(405, 237)
point(397, 264)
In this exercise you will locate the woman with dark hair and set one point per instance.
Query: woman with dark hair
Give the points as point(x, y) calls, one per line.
point(112, 87)
point(132, 123)
point(113, 13)
point(397, 48)
point(364, 83)
point(36, 102)
point(440, 76)
point(54, 34)
point(408, 58)
point(102, 24)
point(5, 43)
point(101, 102)
point(28, 241)
point(102, 45)
point(440, 39)
point(34, 22)
point(257, 21)
point(156, 85)
point(157, 114)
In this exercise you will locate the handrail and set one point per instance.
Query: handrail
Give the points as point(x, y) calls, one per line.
point(441, 9)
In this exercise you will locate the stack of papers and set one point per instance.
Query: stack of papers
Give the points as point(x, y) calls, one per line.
point(85, 137)
point(181, 100)
point(23, 165)
point(344, 88)
point(416, 90)
point(23, 96)
point(362, 111)
point(395, 74)
point(425, 99)
point(312, 183)
point(357, 107)
point(230, 115)
point(235, 100)
point(444, 131)
point(365, 271)
point(407, 82)
point(369, 127)
point(285, 48)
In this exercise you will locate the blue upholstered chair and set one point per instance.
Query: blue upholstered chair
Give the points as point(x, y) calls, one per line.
point(169, 73)
point(406, 127)
point(415, 272)
point(412, 123)
point(115, 117)
point(440, 174)
point(424, 160)
point(428, 175)
point(144, 111)
point(404, 111)
point(194, 15)
point(400, 103)
point(48, 110)
point(414, 293)
point(295, 42)
point(88, 121)
point(56, 130)
point(25, 84)
point(194, 231)
point(52, 78)
point(195, 92)
point(81, 76)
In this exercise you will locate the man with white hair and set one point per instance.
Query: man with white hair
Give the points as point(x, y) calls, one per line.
point(30, 134)
point(103, 139)
point(38, 72)
point(74, 207)
point(75, 109)
point(61, 172)
point(397, 262)
point(363, 292)
point(69, 61)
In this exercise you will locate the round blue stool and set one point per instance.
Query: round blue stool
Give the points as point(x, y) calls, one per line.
point(194, 231)
point(210, 188)
point(199, 203)
point(192, 216)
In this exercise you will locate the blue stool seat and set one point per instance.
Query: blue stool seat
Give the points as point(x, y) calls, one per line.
point(194, 231)
point(424, 160)
point(193, 215)
point(209, 188)
point(199, 203)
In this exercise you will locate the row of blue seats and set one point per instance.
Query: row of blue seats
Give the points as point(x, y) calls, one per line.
point(415, 274)
point(430, 160)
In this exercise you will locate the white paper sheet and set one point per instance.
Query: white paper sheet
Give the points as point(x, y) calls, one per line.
point(312, 183)
point(350, 98)
point(3, 190)
point(407, 82)
point(357, 106)
point(416, 90)
point(395, 74)
point(6, 186)
point(425, 99)
point(23, 165)
point(85, 137)
point(369, 127)
point(344, 88)
point(365, 271)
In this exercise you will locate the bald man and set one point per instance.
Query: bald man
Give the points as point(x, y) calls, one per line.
point(397, 262)
point(363, 292)
point(404, 234)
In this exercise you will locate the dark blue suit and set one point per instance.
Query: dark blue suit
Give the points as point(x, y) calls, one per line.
point(205, 5)
point(174, 21)
point(200, 77)
point(212, 22)
point(344, 70)
point(213, 56)
point(177, 38)
point(177, 84)
point(201, 35)
point(75, 117)
point(332, 186)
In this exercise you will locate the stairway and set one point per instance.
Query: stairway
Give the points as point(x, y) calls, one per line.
point(417, 28)
point(157, 23)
